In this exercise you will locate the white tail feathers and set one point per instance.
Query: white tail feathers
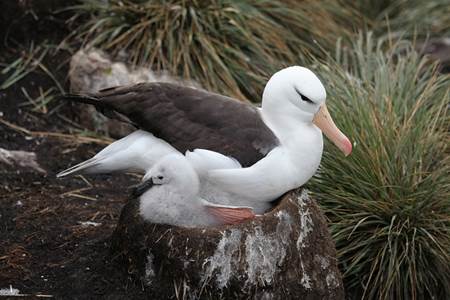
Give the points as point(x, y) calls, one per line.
point(86, 167)
point(135, 152)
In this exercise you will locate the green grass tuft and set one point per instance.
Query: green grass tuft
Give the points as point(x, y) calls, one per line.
point(419, 18)
point(412, 18)
point(233, 46)
point(389, 202)
point(229, 46)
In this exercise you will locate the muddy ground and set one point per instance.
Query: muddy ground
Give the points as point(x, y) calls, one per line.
point(45, 245)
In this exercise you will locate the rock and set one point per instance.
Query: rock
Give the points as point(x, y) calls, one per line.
point(92, 70)
point(22, 159)
point(286, 254)
point(438, 49)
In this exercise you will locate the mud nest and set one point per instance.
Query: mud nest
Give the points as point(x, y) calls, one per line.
point(287, 253)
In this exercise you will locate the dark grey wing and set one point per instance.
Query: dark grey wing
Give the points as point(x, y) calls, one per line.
point(189, 118)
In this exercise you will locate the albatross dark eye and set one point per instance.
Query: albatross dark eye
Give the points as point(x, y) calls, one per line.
point(303, 97)
point(160, 177)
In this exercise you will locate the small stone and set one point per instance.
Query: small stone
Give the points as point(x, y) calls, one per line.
point(22, 159)
point(89, 223)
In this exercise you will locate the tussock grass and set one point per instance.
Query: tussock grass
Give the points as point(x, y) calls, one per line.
point(27, 63)
point(412, 18)
point(389, 202)
point(31, 60)
point(419, 18)
point(233, 46)
point(229, 46)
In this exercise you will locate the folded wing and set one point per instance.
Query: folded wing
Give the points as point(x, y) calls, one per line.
point(189, 118)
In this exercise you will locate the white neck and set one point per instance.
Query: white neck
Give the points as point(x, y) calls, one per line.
point(300, 139)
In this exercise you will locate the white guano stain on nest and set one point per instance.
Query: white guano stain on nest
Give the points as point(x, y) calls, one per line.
point(265, 252)
point(221, 262)
point(332, 281)
point(305, 280)
point(323, 261)
point(306, 226)
point(331, 278)
point(306, 223)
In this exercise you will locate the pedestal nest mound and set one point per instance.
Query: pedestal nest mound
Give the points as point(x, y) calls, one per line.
point(287, 253)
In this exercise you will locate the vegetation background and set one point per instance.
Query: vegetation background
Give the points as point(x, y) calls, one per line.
point(383, 64)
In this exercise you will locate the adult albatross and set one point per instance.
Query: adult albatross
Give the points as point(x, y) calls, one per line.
point(279, 145)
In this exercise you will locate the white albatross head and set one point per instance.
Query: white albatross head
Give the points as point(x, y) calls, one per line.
point(298, 93)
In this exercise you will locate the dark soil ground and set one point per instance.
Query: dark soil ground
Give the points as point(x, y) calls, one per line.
point(44, 247)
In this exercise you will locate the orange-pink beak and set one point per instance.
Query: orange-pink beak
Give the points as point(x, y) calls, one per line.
point(323, 120)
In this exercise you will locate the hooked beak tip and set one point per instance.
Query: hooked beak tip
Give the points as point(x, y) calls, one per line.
point(347, 147)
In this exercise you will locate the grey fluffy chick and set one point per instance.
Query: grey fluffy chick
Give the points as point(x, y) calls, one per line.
point(169, 194)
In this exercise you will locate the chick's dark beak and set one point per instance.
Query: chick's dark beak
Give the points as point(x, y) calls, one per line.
point(141, 188)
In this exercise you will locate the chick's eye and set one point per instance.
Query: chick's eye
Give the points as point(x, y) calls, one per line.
point(160, 177)
point(303, 97)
